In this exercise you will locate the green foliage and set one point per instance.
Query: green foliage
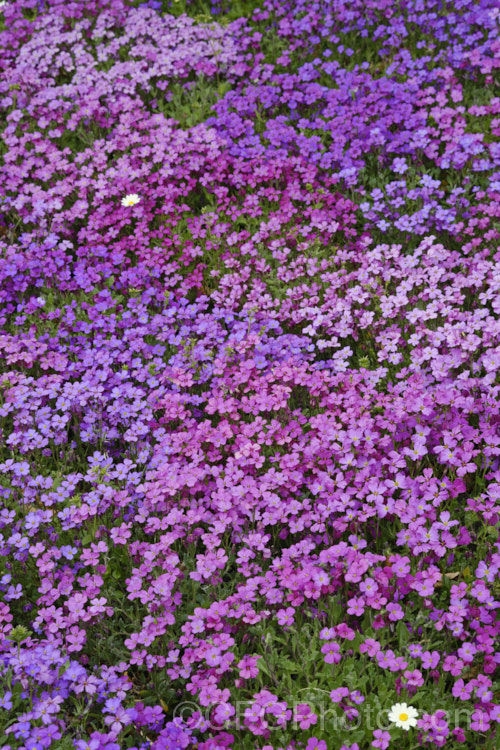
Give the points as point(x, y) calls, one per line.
point(202, 10)
point(191, 103)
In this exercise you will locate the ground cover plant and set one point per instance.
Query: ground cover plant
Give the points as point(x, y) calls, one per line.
point(249, 384)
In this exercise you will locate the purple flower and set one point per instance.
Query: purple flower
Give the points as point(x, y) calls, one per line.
point(314, 744)
point(381, 739)
point(5, 701)
point(399, 166)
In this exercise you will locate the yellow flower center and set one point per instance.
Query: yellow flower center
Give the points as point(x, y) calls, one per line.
point(403, 717)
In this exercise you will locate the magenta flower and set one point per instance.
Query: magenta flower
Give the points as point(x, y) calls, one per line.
point(250, 365)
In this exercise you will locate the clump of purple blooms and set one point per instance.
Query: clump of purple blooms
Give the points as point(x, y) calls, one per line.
point(249, 375)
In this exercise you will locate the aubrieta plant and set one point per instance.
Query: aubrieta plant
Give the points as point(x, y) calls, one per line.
point(249, 374)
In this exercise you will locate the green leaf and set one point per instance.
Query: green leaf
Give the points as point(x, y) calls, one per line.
point(288, 666)
point(262, 667)
point(63, 668)
point(403, 634)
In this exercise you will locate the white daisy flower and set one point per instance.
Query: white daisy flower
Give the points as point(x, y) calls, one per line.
point(130, 200)
point(403, 716)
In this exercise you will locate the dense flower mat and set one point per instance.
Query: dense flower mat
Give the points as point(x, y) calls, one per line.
point(250, 345)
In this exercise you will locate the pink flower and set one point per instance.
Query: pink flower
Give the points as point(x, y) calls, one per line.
point(304, 716)
point(370, 647)
point(356, 606)
point(285, 616)
point(338, 694)
point(332, 652)
point(224, 712)
point(467, 651)
point(395, 612)
point(414, 677)
point(480, 721)
point(247, 666)
point(213, 657)
point(461, 690)
point(368, 586)
point(281, 712)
